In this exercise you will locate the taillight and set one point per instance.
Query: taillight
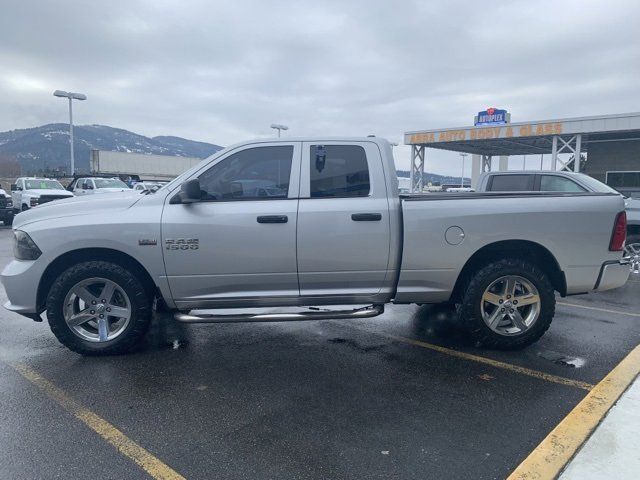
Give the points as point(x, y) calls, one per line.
point(619, 234)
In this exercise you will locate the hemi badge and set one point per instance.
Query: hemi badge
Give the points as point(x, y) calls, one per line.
point(147, 241)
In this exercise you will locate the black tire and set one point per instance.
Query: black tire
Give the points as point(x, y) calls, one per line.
point(8, 221)
point(470, 314)
point(141, 308)
point(634, 238)
point(24, 208)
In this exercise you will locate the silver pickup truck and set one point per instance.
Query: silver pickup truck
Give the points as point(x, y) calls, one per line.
point(301, 223)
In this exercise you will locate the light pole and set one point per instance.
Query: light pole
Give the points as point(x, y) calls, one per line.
point(277, 126)
point(463, 155)
point(71, 96)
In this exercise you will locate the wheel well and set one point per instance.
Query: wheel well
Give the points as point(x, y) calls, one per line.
point(64, 261)
point(633, 229)
point(526, 250)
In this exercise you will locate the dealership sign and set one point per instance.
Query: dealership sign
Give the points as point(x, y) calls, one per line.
point(491, 116)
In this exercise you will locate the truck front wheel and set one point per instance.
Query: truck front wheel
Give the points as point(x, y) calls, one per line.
point(98, 308)
point(508, 304)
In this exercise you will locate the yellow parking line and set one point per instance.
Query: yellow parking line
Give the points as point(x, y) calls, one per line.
point(598, 309)
point(130, 449)
point(550, 457)
point(489, 361)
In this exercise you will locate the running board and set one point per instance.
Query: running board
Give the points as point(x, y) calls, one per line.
point(364, 312)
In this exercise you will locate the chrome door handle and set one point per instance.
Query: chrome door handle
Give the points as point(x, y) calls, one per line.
point(366, 217)
point(273, 219)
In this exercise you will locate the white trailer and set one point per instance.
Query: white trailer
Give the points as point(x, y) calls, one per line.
point(139, 165)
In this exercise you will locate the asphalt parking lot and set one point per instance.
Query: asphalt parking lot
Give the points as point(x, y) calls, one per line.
point(398, 396)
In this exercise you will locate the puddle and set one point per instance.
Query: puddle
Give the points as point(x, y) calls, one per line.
point(355, 345)
point(561, 359)
point(177, 343)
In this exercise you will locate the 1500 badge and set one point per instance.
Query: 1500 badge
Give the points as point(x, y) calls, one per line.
point(181, 243)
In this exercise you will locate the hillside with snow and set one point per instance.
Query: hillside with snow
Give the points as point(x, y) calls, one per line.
point(47, 146)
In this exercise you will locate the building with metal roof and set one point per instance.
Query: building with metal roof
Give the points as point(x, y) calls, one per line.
point(611, 142)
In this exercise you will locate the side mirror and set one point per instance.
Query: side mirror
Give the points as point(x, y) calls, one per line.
point(190, 191)
point(14, 187)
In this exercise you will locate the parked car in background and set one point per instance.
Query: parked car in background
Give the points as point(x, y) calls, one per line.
point(93, 185)
point(29, 192)
point(540, 181)
point(553, 181)
point(6, 208)
point(141, 187)
point(302, 223)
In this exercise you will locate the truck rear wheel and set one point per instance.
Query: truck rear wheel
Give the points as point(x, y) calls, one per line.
point(632, 252)
point(508, 304)
point(98, 308)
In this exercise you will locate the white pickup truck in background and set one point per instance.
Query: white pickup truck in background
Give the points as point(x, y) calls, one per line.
point(29, 192)
point(308, 222)
point(98, 185)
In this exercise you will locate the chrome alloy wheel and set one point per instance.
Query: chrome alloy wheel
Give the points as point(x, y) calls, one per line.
point(510, 305)
point(632, 255)
point(97, 309)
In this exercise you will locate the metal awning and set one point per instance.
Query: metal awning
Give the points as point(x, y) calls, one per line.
point(526, 145)
point(568, 135)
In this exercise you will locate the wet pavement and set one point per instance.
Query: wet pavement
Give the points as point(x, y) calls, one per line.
point(329, 399)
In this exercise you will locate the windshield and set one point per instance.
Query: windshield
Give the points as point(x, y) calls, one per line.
point(43, 185)
point(596, 185)
point(109, 183)
point(176, 182)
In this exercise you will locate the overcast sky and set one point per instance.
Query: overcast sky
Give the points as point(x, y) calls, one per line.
point(222, 72)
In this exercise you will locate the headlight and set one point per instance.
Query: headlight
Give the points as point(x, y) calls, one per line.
point(9, 203)
point(23, 247)
point(34, 201)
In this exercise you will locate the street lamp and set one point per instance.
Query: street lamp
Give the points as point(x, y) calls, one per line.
point(71, 96)
point(277, 126)
point(463, 155)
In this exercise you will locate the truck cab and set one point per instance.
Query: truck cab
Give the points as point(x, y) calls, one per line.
point(29, 192)
point(94, 185)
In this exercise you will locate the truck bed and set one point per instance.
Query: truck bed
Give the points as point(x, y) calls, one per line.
point(558, 222)
point(471, 195)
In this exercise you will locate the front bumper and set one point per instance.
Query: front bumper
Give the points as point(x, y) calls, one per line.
point(613, 274)
point(21, 279)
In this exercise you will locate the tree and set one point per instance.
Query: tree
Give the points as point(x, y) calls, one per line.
point(9, 167)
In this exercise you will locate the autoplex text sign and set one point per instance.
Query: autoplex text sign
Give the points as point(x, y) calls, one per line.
point(491, 116)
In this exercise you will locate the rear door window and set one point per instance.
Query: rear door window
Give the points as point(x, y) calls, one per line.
point(555, 183)
point(338, 171)
point(511, 183)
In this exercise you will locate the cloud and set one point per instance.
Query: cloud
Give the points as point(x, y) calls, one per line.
point(224, 71)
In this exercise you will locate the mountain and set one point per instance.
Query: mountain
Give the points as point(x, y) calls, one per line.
point(47, 146)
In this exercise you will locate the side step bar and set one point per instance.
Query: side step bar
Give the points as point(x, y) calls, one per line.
point(364, 312)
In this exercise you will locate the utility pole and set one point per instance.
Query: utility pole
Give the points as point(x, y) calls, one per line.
point(463, 155)
point(279, 127)
point(71, 96)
